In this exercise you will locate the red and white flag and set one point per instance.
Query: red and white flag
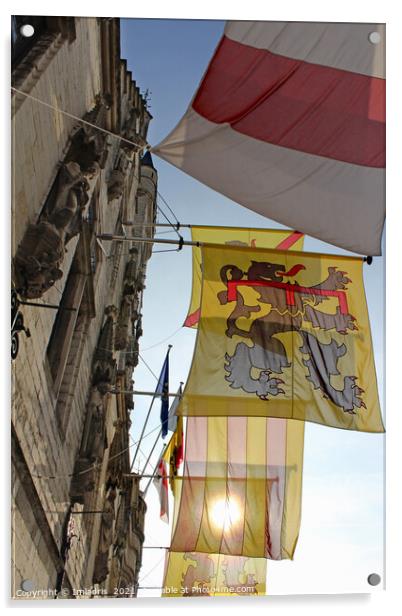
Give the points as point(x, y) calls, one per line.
point(161, 484)
point(289, 121)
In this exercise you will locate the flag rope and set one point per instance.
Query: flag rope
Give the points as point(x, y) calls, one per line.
point(78, 119)
point(137, 146)
point(150, 369)
point(150, 454)
point(96, 465)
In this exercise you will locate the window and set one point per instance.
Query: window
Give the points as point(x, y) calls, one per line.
point(63, 328)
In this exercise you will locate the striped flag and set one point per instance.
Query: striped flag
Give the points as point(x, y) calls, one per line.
point(241, 487)
point(289, 121)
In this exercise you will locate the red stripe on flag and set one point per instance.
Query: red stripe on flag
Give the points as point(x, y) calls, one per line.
point(290, 240)
point(162, 474)
point(290, 290)
point(298, 105)
point(192, 318)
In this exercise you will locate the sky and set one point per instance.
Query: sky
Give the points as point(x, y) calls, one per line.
point(341, 538)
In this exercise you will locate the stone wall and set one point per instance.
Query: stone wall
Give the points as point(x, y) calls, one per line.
point(49, 416)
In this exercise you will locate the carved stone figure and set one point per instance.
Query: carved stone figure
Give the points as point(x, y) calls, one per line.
point(41, 252)
point(122, 326)
point(139, 330)
point(133, 352)
point(129, 304)
point(104, 369)
point(128, 386)
point(72, 196)
point(115, 185)
point(101, 569)
point(89, 148)
point(130, 273)
point(84, 480)
point(94, 442)
point(119, 546)
point(121, 526)
point(130, 132)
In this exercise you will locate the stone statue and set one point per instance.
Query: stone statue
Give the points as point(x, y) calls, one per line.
point(108, 515)
point(116, 183)
point(101, 569)
point(41, 252)
point(104, 366)
point(122, 331)
point(94, 442)
point(72, 196)
point(89, 148)
point(130, 132)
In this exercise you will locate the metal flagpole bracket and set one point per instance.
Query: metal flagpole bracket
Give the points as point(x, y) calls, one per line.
point(136, 392)
point(182, 242)
point(17, 324)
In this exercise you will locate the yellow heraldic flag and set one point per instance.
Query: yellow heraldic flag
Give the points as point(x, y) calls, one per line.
point(283, 239)
point(240, 493)
point(192, 574)
point(283, 334)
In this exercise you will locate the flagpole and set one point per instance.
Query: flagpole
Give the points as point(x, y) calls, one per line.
point(147, 417)
point(166, 445)
point(182, 242)
point(142, 433)
point(144, 393)
point(149, 457)
point(155, 469)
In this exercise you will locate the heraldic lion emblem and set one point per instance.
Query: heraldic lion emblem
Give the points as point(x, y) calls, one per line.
point(291, 305)
point(197, 579)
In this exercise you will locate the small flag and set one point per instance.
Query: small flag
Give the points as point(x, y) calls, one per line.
point(161, 484)
point(173, 454)
point(163, 389)
point(172, 420)
point(240, 493)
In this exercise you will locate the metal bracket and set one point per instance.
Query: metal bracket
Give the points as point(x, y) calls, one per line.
point(17, 324)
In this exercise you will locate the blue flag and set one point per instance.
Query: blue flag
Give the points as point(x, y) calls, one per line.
point(163, 388)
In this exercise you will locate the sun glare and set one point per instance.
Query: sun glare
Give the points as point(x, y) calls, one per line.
point(225, 513)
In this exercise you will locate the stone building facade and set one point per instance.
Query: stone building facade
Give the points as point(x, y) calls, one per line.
point(77, 510)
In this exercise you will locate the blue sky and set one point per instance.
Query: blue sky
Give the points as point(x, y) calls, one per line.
point(341, 532)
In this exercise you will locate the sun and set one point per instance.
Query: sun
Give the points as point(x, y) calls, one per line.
point(225, 513)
